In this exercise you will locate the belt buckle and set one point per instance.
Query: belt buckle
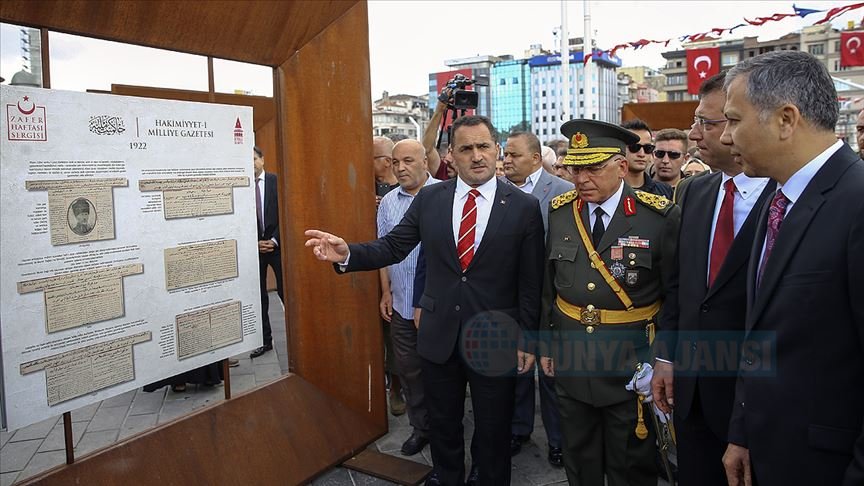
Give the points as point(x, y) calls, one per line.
point(589, 316)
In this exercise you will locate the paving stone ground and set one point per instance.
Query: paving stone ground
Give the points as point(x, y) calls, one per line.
point(36, 448)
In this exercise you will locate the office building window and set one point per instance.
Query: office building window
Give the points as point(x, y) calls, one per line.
point(515, 80)
point(502, 81)
point(816, 49)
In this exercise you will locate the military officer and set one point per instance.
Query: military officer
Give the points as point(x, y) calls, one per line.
point(610, 252)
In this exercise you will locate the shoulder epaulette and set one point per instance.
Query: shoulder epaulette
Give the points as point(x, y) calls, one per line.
point(655, 202)
point(565, 198)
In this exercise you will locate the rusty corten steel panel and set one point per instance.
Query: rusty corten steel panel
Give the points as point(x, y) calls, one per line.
point(327, 183)
point(256, 31)
point(284, 433)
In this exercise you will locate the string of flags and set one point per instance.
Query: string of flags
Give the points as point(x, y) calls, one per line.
point(716, 32)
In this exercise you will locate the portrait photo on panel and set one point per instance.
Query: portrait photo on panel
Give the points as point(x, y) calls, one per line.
point(81, 216)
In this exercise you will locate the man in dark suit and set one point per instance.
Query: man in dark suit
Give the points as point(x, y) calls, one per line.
point(267, 209)
point(708, 301)
point(524, 169)
point(483, 274)
point(798, 416)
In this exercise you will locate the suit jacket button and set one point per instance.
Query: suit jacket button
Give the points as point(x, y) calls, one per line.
point(705, 308)
point(458, 308)
point(464, 279)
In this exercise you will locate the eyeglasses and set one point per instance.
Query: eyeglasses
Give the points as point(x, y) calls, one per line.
point(671, 153)
point(702, 122)
point(647, 147)
point(590, 170)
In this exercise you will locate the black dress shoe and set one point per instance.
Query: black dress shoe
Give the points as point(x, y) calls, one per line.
point(433, 480)
point(473, 477)
point(260, 351)
point(556, 457)
point(516, 442)
point(414, 444)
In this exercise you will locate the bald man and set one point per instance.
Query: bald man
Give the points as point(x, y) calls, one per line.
point(397, 287)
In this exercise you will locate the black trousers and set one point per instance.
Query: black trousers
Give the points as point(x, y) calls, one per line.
point(492, 399)
point(274, 260)
point(700, 451)
point(523, 413)
point(408, 366)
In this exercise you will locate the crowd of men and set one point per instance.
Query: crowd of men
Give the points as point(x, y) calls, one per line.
point(697, 285)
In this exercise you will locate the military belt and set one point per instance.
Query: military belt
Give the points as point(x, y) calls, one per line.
point(591, 316)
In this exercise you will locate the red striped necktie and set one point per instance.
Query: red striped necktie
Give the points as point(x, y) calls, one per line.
point(467, 230)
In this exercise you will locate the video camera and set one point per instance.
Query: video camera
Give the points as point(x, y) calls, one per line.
point(460, 98)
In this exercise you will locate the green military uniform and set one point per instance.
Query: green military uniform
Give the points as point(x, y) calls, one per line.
point(596, 342)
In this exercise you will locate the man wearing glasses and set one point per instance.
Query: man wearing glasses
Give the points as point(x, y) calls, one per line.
point(669, 155)
point(718, 224)
point(639, 158)
point(610, 255)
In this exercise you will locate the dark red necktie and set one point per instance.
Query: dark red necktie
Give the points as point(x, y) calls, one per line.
point(724, 232)
point(467, 230)
point(775, 218)
point(259, 208)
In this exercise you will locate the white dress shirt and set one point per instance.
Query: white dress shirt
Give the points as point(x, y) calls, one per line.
point(484, 207)
point(528, 186)
point(609, 206)
point(747, 191)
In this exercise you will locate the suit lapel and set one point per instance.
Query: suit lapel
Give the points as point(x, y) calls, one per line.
point(795, 225)
point(447, 202)
point(500, 203)
point(755, 256)
point(705, 200)
point(542, 189)
point(741, 245)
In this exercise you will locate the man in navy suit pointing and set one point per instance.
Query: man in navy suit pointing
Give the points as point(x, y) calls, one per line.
point(483, 241)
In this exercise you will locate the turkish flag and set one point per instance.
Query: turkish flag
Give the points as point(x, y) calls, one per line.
point(701, 65)
point(851, 49)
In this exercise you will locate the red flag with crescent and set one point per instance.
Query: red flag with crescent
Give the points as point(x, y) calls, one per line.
point(851, 49)
point(701, 65)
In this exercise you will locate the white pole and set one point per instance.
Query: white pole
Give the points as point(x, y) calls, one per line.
point(588, 69)
point(565, 65)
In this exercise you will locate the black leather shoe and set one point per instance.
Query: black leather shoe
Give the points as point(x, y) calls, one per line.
point(414, 444)
point(556, 457)
point(433, 480)
point(473, 477)
point(516, 442)
point(260, 351)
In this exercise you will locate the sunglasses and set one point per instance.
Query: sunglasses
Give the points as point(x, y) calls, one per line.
point(663, 153)
point(647, 147)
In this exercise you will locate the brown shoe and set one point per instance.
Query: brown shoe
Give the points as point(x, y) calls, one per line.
point(397, 405)
point(233, 362)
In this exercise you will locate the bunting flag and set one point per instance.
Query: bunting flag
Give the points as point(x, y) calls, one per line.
point(835, 12)
point(851, 49)
point(717, 32)
point(701, 65)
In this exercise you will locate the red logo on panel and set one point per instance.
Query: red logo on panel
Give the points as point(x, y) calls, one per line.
point(26, 121)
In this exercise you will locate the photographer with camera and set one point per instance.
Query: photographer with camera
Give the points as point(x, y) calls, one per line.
point(453, 97)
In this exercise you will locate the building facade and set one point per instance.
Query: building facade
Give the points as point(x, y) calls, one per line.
point(510, 87)
point(547, 91)
point(400, 114)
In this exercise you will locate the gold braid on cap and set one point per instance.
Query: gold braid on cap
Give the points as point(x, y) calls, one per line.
point(589, 156)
